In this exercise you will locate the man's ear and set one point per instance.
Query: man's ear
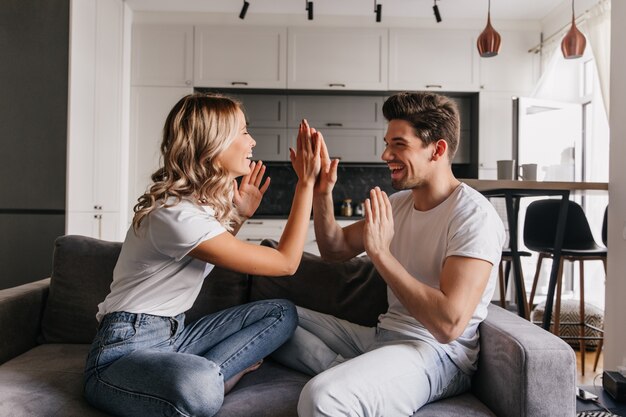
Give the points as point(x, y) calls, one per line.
point(440, 149)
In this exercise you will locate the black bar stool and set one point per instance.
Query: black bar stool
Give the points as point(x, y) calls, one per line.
point(578, 245)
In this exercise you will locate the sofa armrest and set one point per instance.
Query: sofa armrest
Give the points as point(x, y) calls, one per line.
point(20, 317)
point(524, 370)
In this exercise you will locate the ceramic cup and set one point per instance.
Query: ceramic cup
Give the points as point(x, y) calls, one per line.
point(506, 168)
point(528, 172)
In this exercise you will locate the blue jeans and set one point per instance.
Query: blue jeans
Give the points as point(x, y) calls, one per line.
point(145, 365)
point(366, 371)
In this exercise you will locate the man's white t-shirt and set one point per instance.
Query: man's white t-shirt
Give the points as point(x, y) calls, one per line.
point(466, 225)
point(154, 273)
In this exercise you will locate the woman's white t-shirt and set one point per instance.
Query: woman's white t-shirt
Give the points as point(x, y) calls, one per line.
point(465, 224)
point(154, 273)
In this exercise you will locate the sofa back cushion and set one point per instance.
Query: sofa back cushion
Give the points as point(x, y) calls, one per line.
point(81, 278)
point(351, 290)
point(82, 270)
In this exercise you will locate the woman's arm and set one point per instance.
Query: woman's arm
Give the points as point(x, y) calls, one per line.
point(226, 251)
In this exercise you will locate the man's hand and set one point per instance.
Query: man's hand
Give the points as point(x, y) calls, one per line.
point(328, 174)
point(378, 229)
point(249, 193)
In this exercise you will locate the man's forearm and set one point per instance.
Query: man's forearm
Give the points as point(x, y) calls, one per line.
point(328, 234)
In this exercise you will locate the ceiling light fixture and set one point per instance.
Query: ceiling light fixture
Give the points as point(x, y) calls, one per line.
point(436, 10)
point(378, 9)
point(244, 9)
point(309, 9)
point(488, 42)
point(574, 42)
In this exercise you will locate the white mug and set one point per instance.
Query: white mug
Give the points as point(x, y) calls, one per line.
point(506, 168)
point(528, 172)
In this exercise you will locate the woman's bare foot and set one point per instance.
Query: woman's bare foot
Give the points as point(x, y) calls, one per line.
point(228, 385)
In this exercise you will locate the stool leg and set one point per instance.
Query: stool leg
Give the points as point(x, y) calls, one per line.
point(502, 290)
point(581, 313)
point(557, 309)
point(601, 342)
point(534, 288)
point(599, 350)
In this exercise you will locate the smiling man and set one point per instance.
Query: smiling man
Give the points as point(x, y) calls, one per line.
point(436, 243)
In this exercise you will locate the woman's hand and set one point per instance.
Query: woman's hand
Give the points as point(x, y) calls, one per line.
point(328, 173)
point(249, 193)
point(306, 159)
point(378, 229)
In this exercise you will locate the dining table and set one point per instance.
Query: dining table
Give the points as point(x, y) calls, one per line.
point(512, 191)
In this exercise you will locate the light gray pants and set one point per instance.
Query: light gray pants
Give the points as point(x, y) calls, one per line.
point(388, 374)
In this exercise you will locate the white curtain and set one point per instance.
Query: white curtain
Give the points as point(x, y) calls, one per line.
point(597, 27)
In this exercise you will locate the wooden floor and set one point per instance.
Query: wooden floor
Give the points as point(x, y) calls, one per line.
point(590, 375)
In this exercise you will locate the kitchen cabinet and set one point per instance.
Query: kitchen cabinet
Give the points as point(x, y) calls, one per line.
point(330, 112)
point(350, 145)
point(255, 230)
point(266, 115)
point(97, 224)
point(240, 56)
point(427, 59)
point(332, 58)
point(271, 144)
point(149, 108)
point(264, 110)
point(496, 131)
point(162, 55)
point(96, 154)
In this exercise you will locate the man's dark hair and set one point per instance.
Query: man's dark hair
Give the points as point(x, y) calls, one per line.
point(432, 116)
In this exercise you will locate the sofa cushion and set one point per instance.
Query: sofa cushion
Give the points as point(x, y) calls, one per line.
point(81, 277)
point(351, 290)
point(46, 381)
point(82, 270)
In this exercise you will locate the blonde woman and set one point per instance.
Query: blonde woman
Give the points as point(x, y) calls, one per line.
point(145, 360)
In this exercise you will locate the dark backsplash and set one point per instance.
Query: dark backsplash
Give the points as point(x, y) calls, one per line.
point(354, 182)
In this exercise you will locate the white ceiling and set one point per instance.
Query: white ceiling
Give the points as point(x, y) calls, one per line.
point(449, 9)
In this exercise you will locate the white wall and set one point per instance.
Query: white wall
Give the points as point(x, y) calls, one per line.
point(615, 325)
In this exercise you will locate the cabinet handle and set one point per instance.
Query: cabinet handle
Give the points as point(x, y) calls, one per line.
point(433, 86)
point(97, 207)
point(254, 239)
point(336, 85)
point(335, 157)
point(187, 82)
point(239, 83)
point(334, 124)
point(254, 222)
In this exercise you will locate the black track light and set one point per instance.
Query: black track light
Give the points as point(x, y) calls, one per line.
point(309, 9)
point(436, 10)
point(244, 9)
point(378, 9)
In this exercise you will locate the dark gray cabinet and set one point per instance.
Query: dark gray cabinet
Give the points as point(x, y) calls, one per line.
point(336, 112)
point(352, 123)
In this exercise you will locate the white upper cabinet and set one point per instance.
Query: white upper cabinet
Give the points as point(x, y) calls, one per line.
point(162, 55)
point(514, 68)
point(337, 59)
point(240, 57)
point(421, 59)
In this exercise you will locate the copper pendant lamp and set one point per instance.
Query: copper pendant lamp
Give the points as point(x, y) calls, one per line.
point(574, 42)
point(488, 42)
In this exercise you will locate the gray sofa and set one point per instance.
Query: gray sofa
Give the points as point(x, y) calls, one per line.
point(46, 327)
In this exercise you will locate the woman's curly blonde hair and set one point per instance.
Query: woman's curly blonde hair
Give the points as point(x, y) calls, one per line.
point(198, 128)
